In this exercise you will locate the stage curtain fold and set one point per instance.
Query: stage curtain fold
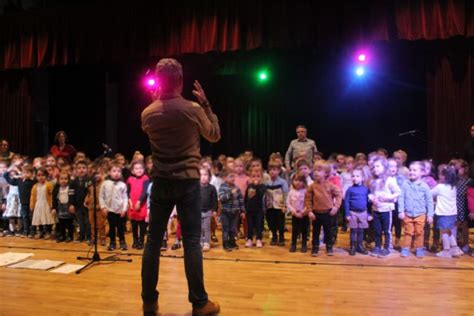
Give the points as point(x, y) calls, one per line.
point(16, 121)
point(450, 100)
point(150, 29)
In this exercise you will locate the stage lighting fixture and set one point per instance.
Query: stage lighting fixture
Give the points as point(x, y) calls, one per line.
point(360, 71)
point(362, 57)
point(263, 76)
point(151, 82)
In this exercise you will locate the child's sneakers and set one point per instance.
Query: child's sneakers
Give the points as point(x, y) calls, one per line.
point(314, 252)
point(434, 248)
point(249, 243)
point(176, 245)
point(420, 253)
point(259, 243)
point(466, 249)
point(281, 241)
point(376, 252)
point(227, 246)
point(274, 241)
point(111, 247)
point(360, 249)
point(123, 245)
point(405, 252)
point(293, 248)
point(384, 253)
point(206, 247)
point(233, 244)
point(164, 245)
point(445, 253)
point(456, 252)
point(304, 248)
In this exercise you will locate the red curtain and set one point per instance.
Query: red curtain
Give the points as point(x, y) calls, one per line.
point(450, 100)
point(16, 121)
point(430, 20)
point(151, 29)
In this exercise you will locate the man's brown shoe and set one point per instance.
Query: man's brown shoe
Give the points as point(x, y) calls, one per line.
point(211, 308)
point(150, 308)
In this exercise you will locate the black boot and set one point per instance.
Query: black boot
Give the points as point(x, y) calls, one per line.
point(352, 251)
point(233, 244)
point(304, 248)
point(274, 241)
point(226, 245)
point(281, 241)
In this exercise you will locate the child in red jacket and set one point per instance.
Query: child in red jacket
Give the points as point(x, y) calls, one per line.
point(137, 210)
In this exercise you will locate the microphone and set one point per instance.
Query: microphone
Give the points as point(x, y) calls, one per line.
point(408, 133)
point(106, 148)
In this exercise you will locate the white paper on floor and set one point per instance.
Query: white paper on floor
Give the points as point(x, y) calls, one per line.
point(67, 268)
point(44, 264)
point(8, 258)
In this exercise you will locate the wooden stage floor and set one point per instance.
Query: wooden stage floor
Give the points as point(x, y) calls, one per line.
point(267, 281)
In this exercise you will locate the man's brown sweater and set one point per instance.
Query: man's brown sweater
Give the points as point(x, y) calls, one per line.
point(174, 127)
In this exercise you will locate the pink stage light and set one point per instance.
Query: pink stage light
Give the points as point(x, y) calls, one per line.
point(362, 57)
point(150, 82)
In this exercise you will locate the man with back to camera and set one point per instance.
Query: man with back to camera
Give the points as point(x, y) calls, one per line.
point(174, 126)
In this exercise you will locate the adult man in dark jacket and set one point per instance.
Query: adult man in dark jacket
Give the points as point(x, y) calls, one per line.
point(174, 126)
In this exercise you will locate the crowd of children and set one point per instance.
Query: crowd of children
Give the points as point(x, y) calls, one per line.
point(373, 195)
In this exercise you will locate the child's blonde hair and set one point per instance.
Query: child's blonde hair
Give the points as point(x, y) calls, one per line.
point(274, 165)
point(323, 165)
point(382, 177)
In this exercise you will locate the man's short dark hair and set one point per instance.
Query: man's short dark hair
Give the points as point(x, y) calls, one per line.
point(169, 73)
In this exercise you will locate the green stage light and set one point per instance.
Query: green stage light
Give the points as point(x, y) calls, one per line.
point(262, 76)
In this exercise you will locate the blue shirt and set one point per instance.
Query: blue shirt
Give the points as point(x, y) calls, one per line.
point(357, 198)
point(416, 199)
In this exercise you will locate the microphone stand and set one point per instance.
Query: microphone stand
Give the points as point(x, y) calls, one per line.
point(429, 142)
point(96, 257)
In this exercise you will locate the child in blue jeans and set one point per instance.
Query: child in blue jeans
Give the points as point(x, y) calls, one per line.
point(355, 207)
point(232, 205)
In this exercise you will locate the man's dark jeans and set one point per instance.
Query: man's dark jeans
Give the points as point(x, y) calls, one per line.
point(165, 194)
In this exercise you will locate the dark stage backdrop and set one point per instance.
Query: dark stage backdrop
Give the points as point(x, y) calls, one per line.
point(77, 106)
point(413, 85)
point(311, 87)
